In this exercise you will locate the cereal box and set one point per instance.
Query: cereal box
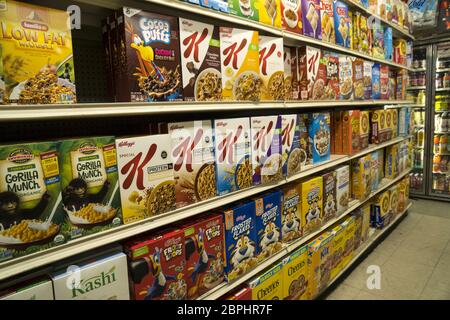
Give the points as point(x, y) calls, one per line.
point(367, 73)
point(376, 84)
point(341, 23)
point(271, 68)
point(391, 164)
point(295, 275)
point(193, 161)
point(329, 196)
point(336, 129)
point(291, 15)
point(240, 239)
point(36, 55)
point(337, 250)
point(351, 131)
point(388, 47)
point(239, 55)
point(147, 186)
point(149, 57)
point(305, 143)
point(37, 289)
point(204, 250)
point(269, 285)
point(361, 178)
point(380, 215)
point(200, 61)
point(293, 156)
point(270, 12)
point(268, 224)
point(392, 84)
point(357, 216)
point(394, 123)
point(288, 79)
point(342, 189)
point(365, 213)
point(389, 119)
point(312, 204)
point(402, 196)
point(291, 225)
point(399, 55)
point(331, 60)
point(377, 126)
point(364, 3)
point(373, 6)
point(31, 212)
point(393, 199)
point(266, 149)
point(319, 264)
point(345, 78)
point(219, 5)
point(362, 38)
point(381, 10)
point(350, 239)
point(90, 185)
point(364, 126)
point(327, 20)
point(233, 155)
point(358, 78)
point(402, 80)
point(312, 26)
point(374, 173)
point(389, 10)
point(157, 266)
point(320, 136)
point(245, 9)
point(378, 40)
point(384, 82)
point(315, 72)
point(302, 71)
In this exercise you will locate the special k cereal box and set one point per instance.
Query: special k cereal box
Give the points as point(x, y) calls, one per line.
point(329, 196)
point(342, 23)
point(193, 161)
point(266, 149)
point(312, 204)
point(364, 125)
point(293, 156)
point(157, 267)
point(345, 78)
point(327, 20)
point(361, 177)
point(239, 55)
point(200, 61)
point(342, 189)
point(147, 186)
point(271, 68)
point(295, 275)
point(270, 12)
point(291, 215)
point(288, 78)
point(316, 72)
point(269, 285)
point(291, 15)
point(320, 136)
point(232, 149)
point(312, 26)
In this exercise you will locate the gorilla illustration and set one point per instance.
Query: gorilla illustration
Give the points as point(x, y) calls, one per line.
point(75, 195)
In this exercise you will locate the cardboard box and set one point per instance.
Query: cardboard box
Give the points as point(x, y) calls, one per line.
point(305, 143)
point(358, 78)
point(269, 285)
point(291, 212)
point(376, 82)
point(320, 136)
point(316, 73)
point(364, 126)
point(327, 21)
point(380, 211)
point(293, 156)
point(342, 23)
point(291, 16)
point(271, 68)
point(302, 72)
point(365, 228)
point(399, 55)
point(361, 178)
point(345, 78)
point(389, 124)
point(378, 40)
point(349, 225)
point(391, 164)
point(342, 189)
point(329, 196)
point(312, 204)
point(394, 123)
point(377, 126)
point(362, 34)
point(270, 12)
point(367, 73)
point(331, 61)
point(375, 176)
point(35, 290)
point(388, 44)
point(312, 26)
point(320, 257)
point(337, 250)
point(392, 84)
point(288, 78)
point(295, 275)
point(384, 82)
point(351, 131)
point(248, 9)
point(393, 199)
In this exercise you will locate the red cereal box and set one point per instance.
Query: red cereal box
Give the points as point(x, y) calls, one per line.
point(302, 73)
point(291, 15)
point(384, 80)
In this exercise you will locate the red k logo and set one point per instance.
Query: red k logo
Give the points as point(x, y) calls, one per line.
point(286, 133)
point(135, 166)
point(192, 42)
point(264, 54)
point(232, 52)
point(260, 137)
point(312, 63)
point(226, 146)
point(183, 152)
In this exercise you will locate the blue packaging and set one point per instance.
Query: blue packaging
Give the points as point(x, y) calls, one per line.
point(376, 83)
point(364, 3)
point(320, 136)
point(341, 24)
point(219, 5)
point(293, 155)
point(388, 46)
point(193, 1)
point(374, 172)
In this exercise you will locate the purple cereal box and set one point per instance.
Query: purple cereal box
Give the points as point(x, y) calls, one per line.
point(312, 26)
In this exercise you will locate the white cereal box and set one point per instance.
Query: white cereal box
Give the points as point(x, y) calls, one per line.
point(342, 188)
point(271, 68)
point(293, 156)
point(288, 80)
point(37, 290)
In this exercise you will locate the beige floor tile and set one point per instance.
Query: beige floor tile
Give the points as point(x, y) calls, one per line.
point(440, 280)
point(432, 293)
point(388, 246)
point(421, 241)
point(429, 257)
point(366, 295)
point(343, 292)
point(395, 288)
point(408, 270)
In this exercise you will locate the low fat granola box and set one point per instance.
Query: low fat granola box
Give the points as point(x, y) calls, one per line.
point(291, 220)
point(293, 156)
point(291, 15)
point(312, 26)
point(271, 68)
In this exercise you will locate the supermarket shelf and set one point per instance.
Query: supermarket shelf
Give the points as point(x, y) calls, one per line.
point(224, 288)
point(417, 106)
point(418, 70)
point(443, 70)
point(442, 132)
point(442, 89)
point(441, 111)
point(416, 88)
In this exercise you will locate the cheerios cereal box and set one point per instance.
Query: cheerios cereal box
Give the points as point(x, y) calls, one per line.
point(402, 196)
point(320, 136)
point(270, 12)
point(377, 126)
point(312, 26)
point(269, 285)
point(342, 188)
point(90, 185)
point(361, 177)
point(147, 185)
point(393, 199)
point(364, 127)
point(293, 156)
point(380, 214)
point(342, 23)
point(357, 215)
point(337, 250)
point(349, 234)
point(312, 204)
point(31, 210)
point(246, 9)
point(291, 219)
point(239, 55)
point(329, 196)
point(327, 21)
point(271, 68)
point(291, 16)
point(295, 275)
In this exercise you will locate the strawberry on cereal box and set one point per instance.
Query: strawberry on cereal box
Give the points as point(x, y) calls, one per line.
point(292, 154)
point(271, 68)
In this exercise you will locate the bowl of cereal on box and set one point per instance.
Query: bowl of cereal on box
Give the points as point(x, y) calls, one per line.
point(91, 215)
point(272, 169)
point(208, 85)
point(291, 18)
point(205, 182)
point(27, 233)
point(247, 86)
point(346, 88)
point(243, 173)
point(322, 141)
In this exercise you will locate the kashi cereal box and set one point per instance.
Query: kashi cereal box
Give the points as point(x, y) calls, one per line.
point(320, 136)
point(320, 258)
point(345, 78)
point(232, 149)
point(312, 26)
point(341, 23)
point(268, 224)
point(271, 68)
point(377, 126)
point(374, 172)
point(303, 80)
point(239, 54)
point(147, 186)
point(351, 131)
point(291, 212)
point(331, 60)
point(329, 196)
point(376, 84)
point(295, 275)
point(361, 182)
point(40, 289)
point(342, 189)
point(312, 204)
point(36, 55)
point(148, 57)
point(269, 285)
point(358, 78)
point(380, 215)
point(266, 149)
point(240, 239)
point(305, 143)
point(327, 20)
point(337, 250)
point(350, 238)
point(270, 12)
point(293, 156)
point(193, 161)
point(245, 9)
point(90, 185)
point(291, 15)
point(378, 40)
point(367, 72)
point(31, 211)
point(384, 82)
point(388, 45)
point(364, 126)
point(288, 79)
point(393, 199)
point(204, 250)
point(157, 266)
point(200, 61)
point(389, 119)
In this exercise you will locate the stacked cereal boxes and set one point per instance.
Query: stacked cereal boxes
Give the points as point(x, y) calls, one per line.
point(291, 215)
point(271, 68)
point(293, 156)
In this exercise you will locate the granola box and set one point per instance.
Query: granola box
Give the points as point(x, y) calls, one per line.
point(291, 225)
point(288, 76)
point(200, 61)
point(361, 178)
point(239, 55)
point(31, 211)
point(329, 196)
point(378, 40)
point(269, 285)
point(312, 204)
point(193, 161)
point(270, 12)
point(342, 189)
point(345, 78)
point(232, 149)
point(342, 23)
point(358, 78)
point(293, 156)
point(295, 275)
point(376, 82)
point(327, 20)
point(147, 186)
point(312, 26)
point(384, 82)
point(266, 149)
point(157, 266)
point(271, 68)
point(367, 74)
point(320, 136)
point(37, 289)
point(331, 61)
point(240, 239)
point(244, 8)
point(291, 15)
point(36, 55)
point(149, 60)
point(90, 185)
point(351, 131)
point(305, 142)
point(364, 127)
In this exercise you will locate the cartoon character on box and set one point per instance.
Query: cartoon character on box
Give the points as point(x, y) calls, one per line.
point(329, 189)
point(291, 213)
point(320, 136)
point(312, 208)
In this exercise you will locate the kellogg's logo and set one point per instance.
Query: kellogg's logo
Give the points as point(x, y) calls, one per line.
point(155, 30)
point(183, 152)
point(226, 146)
point(264, 54)
point(261, 136)
point(20, 156)
point(126, 144)
point(286, 133)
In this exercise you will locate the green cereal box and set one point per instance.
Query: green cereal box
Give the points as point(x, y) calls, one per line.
point(31, 211)
point(244, 8)
point(89, 185)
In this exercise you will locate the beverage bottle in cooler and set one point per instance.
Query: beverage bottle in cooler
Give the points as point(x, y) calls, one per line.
point(443, 144)
point(438, 122)
point(445, 121)
point(436, 145)
point(420, 137)
point(436, 163)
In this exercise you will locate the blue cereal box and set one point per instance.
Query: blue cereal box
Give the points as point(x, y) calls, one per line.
point(376, 83)
point(292, 154)
point(388, 47)
point(219, 5)
point(341, 24)
point(240, 239)
point(320, 136)
point(268, 224)
point(374, 172)
point(233, 154)
point(378, 40)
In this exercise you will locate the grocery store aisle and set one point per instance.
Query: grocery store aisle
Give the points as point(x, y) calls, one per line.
point(414, 259)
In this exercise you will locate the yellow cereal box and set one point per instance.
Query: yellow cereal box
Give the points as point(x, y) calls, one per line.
point(380, 212)
point(365, 213)
point(393, 199)
point(319, 263)
point(391, 164)
point(349, 226)
point(337, 250)
point(36, 53)
point(295, 275)
point(271, 68)
point(268, 286)
point(239, 55)
point(402, 195)
point(291, 214)
point(312, 204)
point(361, 177)
point(270, 12)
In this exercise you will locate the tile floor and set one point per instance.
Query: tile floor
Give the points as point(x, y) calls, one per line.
point(414, 259)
